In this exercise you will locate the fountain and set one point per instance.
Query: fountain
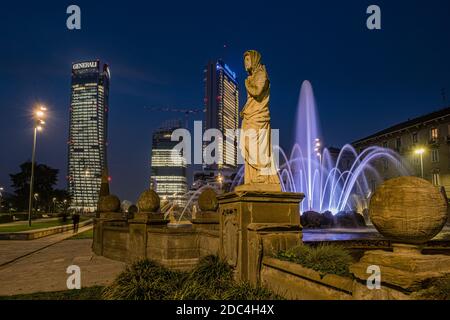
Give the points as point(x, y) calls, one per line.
point(332, 182)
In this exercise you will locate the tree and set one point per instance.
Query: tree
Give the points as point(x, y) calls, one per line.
point(45, 178)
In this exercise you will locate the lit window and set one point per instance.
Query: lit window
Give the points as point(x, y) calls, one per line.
point(434, 134)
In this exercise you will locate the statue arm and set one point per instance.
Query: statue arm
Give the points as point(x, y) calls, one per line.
point(256, 85)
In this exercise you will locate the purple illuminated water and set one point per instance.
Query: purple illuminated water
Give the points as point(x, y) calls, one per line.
point(330, 180)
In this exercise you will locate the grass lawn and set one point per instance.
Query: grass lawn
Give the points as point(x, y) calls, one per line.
point(89, 234)
point(91, 293)
point(38, 225)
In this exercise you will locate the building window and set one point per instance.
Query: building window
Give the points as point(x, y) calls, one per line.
point(435, 155)
point(434, 134)
point(436, 179)
point(414, 137)
point(385, 164)
point(385, 144)
point(398, 143)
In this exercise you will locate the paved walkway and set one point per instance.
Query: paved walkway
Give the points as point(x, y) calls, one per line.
point(10, 250)
point(45, 269)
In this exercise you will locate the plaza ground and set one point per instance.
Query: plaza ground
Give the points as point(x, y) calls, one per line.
point(40, 265)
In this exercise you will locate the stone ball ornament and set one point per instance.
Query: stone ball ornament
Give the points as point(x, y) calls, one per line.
point(207, 201)
point(109, 203)
point(148, 201)
point(408, 210)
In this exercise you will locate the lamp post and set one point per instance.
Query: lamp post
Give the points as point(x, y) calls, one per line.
point(220, 180)
point(39, 115)
point(1, 197)
point(420, 152)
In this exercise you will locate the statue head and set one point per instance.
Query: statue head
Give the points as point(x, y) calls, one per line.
point(252, 60)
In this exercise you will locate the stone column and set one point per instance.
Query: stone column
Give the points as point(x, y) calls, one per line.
point(108, 208)
point(409, 211)
point(149, 214)
point(254, 223)
point(208, 216)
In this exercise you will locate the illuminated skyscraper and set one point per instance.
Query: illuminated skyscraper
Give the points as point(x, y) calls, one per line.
point(168, 174)
point(87, 133)
point(222, 108)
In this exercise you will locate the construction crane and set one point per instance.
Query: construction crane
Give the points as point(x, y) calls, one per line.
point(187, 111)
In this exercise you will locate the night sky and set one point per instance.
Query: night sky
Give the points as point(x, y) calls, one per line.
point(363, 80)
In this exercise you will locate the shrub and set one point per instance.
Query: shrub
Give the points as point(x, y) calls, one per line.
point(211, 279)
point(5, 218)
point(207, 280)
point(246, 291)
point(438, 289)
point(326, 259)
point(143, 280)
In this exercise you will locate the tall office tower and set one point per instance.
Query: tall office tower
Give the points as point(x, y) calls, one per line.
point(168, 173)
point(87, 133)
point(222, 109)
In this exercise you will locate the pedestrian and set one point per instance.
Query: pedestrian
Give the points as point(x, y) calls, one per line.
point(76, 221)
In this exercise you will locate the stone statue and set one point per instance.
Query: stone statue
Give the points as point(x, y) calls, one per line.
point(255, 140)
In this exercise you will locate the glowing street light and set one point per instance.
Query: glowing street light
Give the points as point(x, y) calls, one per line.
point(420, 152)
point(220, 180)
point(1, 196)
point(39, 116)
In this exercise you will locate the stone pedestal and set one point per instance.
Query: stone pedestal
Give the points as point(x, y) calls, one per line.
point(208, 220)
point(99, 223)
point(254, 223)
point(406, 268)
point(150, 218)
point(138, 235)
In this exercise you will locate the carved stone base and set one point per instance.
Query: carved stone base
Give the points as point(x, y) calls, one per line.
point(206, 220)
point(150, 218)
point(258, 187)
point(405, 268)
point(256, 223)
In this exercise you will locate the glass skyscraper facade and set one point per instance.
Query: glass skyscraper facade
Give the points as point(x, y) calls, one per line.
point(222, 109)
point(87, 133)
point(168, 166)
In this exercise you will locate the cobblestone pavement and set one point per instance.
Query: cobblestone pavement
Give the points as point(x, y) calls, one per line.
point(45, 269)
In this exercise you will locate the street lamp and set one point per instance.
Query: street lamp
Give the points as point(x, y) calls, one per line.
point(39, 115)
point(220, 179)
point(420, 152)
point(1, 197)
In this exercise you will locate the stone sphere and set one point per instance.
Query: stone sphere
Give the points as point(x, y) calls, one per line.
point(148, 201)
point(207, 201)
point(408, 210)
point(109, 203)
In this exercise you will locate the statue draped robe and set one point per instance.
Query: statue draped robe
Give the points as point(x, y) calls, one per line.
point(255, 140)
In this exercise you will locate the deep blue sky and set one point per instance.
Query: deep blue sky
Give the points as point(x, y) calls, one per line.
point(363, 80)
